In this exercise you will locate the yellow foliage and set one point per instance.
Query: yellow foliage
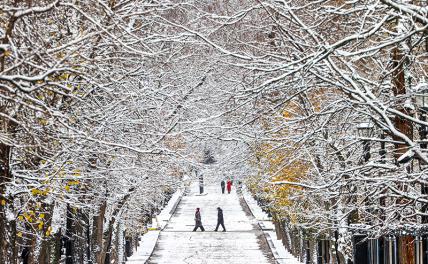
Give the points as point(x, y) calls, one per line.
point(281, 163)
point(35, 191)
point(76, 172)
point(43, 121)
point(3, 202)
point(64, 76)
point(48, 231)
point(76, 182)
point(29, 218)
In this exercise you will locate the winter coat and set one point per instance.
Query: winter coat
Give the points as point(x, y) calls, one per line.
point(222, 184)
point(198, 218)
point(220, 216)
point(229, 185)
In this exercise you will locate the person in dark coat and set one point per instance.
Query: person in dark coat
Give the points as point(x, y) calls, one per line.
point(198, 221)
point(220, 219)
point(229, 186)
point(223, 185)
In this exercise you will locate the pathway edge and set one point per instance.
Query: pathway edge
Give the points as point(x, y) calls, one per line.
point(183, 191)
point(265, 234)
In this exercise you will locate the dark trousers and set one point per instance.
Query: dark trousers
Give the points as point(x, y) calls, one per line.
point(222, 189)
point(197, 226)
point(222, 225)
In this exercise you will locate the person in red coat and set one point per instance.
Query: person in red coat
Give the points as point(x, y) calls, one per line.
point(229, 186)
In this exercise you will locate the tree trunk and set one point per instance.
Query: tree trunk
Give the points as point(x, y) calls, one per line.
point(57, 246)
point(5, 178)
point(69, 234)
point(108, 242)
point(399, 89)
point(97, 234)
point(109, 234)
point(87, 236)
point(79, 237)
point(44, 252)
point(406, 250)
point(32, 255)
point(44, 256)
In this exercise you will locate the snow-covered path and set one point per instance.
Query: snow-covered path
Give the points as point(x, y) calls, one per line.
point(242, 243)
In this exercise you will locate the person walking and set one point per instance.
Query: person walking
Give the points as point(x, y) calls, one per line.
point(223, 185)
point(220, 220)
point(229, 186)
point(198, 221)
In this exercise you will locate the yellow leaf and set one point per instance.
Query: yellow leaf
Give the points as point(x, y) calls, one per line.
point(73, 182)
point(3, 202)
point(67, 188)
point(41, 216)
point(46, 191)
point(41, 226)
point(43, 121)
point(19, 234)
point(63, 76)
point(20, 217)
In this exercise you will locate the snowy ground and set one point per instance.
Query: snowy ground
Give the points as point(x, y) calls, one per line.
point(145, 249)
point(279, 251)
point(148, 240)
point(242, 243)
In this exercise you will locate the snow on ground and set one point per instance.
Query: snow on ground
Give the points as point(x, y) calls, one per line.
point(148, 240)
point(167, 212)
point(280, 252)
point(240, 244)
point(145, 248)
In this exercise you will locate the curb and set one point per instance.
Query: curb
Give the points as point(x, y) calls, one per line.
point(272, 246)
point(174, 207)
point(265, 234)
point(171, 213)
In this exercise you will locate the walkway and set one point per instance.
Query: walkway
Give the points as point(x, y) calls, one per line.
point(242, 243)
